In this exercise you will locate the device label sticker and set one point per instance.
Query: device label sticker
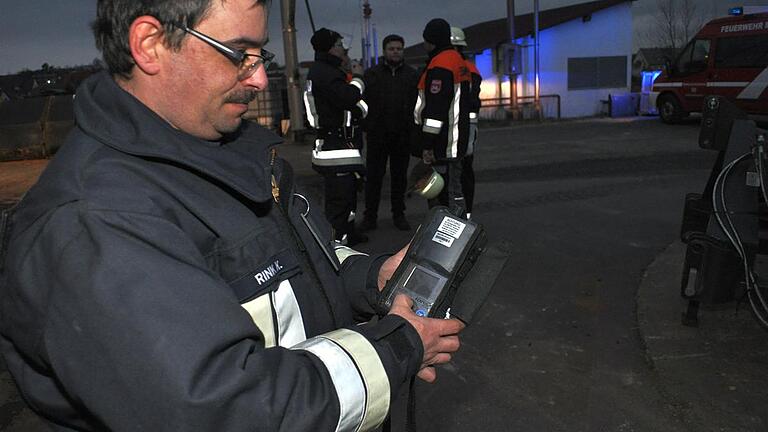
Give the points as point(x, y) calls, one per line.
point(452, 227)
point(443, 239)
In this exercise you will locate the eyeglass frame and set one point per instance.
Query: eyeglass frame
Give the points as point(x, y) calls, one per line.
point(236, 56)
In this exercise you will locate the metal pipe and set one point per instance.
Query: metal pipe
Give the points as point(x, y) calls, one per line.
point(512, 77)
point(537, 82)
point(367, 34)
point(375, 44)
point(293, 82)
point(309, 12)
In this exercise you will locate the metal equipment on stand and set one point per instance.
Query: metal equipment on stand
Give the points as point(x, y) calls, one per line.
point(721, 226)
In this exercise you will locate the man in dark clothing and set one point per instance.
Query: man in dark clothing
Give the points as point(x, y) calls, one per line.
point(442, 111)
point(165, 275)
point(334, 106)
point(390, 91)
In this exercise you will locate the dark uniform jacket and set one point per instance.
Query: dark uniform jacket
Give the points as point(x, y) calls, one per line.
point(151, 281)
point(334, 106)
point(390, 92)
point(475, 84)
point(474, 106)
point(443, 104)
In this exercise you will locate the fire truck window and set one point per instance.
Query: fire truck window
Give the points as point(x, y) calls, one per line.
point(742, 52)
point(694, 58)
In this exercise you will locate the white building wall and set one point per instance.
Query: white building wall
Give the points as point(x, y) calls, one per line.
point(608, 33)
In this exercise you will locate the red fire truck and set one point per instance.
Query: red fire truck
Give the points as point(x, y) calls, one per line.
point(729, 58)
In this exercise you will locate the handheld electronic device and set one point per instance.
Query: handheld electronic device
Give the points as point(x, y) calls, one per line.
point(440, 256)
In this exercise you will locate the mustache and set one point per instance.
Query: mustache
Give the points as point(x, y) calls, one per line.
point(241, 97)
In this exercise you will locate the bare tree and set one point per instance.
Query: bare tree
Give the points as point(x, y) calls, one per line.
point(674, 23)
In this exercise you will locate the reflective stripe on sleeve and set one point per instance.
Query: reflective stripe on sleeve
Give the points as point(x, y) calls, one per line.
point(344, 252)
point(288, 329)
point(452, 151)
point(260, 310)
point(349, 386)
point(418, 108)
point(331, 158)
point(358, 376)
point(432, 126)
point(309, 105)
point(357, 82)
point(363, 108)
point(290, 325)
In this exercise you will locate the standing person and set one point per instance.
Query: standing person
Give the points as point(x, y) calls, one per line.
point(442, 110)
point(165, 275)
point(459, 40)
point(334, 106)
point(390, 91)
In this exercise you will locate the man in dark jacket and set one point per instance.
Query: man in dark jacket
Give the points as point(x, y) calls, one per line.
point(165, 275)
point(390, 91)
point(334, 105)
point(442, 111)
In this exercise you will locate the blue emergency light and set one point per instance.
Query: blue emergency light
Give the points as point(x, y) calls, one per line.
point(736, 11)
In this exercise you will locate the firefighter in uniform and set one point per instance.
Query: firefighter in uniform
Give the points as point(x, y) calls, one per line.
point(390, 91)
point(458, 39)
point(442, 111)
point(165, 274)
point(334, 106)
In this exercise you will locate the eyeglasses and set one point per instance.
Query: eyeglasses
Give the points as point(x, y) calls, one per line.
point(239, 58)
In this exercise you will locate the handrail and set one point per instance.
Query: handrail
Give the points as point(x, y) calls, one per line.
point(507, 101)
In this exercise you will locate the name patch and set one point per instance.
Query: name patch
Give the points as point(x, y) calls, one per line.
point(266, 276)
point(268, 273)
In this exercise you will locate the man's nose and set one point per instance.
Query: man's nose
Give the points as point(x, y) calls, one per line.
point(258, 80)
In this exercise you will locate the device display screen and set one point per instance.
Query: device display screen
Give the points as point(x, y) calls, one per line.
point(424, 283)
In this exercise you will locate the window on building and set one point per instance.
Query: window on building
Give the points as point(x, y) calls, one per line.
point(742, 52)
point(597, 72)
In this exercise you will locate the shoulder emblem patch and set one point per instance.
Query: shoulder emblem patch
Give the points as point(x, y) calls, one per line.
point(436, 86)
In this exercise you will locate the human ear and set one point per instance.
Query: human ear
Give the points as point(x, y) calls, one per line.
point(146, 41)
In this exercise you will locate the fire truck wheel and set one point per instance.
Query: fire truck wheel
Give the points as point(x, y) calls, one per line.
point(670, 110)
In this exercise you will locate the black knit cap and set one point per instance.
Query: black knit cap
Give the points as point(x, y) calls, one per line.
point(324, 39)
point(438, 33)
point(391, 38)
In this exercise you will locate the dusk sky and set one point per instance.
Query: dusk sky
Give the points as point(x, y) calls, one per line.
point(57, 32)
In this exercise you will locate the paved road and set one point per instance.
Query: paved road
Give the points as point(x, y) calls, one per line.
point(583, 208)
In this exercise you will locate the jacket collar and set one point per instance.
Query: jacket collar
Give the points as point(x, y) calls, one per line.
point(435, 52)
point(330, 59)
point(395, 66)
point(112, 116)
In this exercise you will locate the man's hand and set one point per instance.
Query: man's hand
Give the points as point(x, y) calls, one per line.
point(428, 156)
point(390, 265)
point(438, 336)
point(356, 68)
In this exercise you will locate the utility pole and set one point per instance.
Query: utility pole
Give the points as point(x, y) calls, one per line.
point(375, 44)
point(295, 105)
point(513, 46)
point(536, 55)
point(367, 34)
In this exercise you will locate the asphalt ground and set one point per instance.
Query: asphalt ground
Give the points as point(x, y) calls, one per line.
point(582, 329)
